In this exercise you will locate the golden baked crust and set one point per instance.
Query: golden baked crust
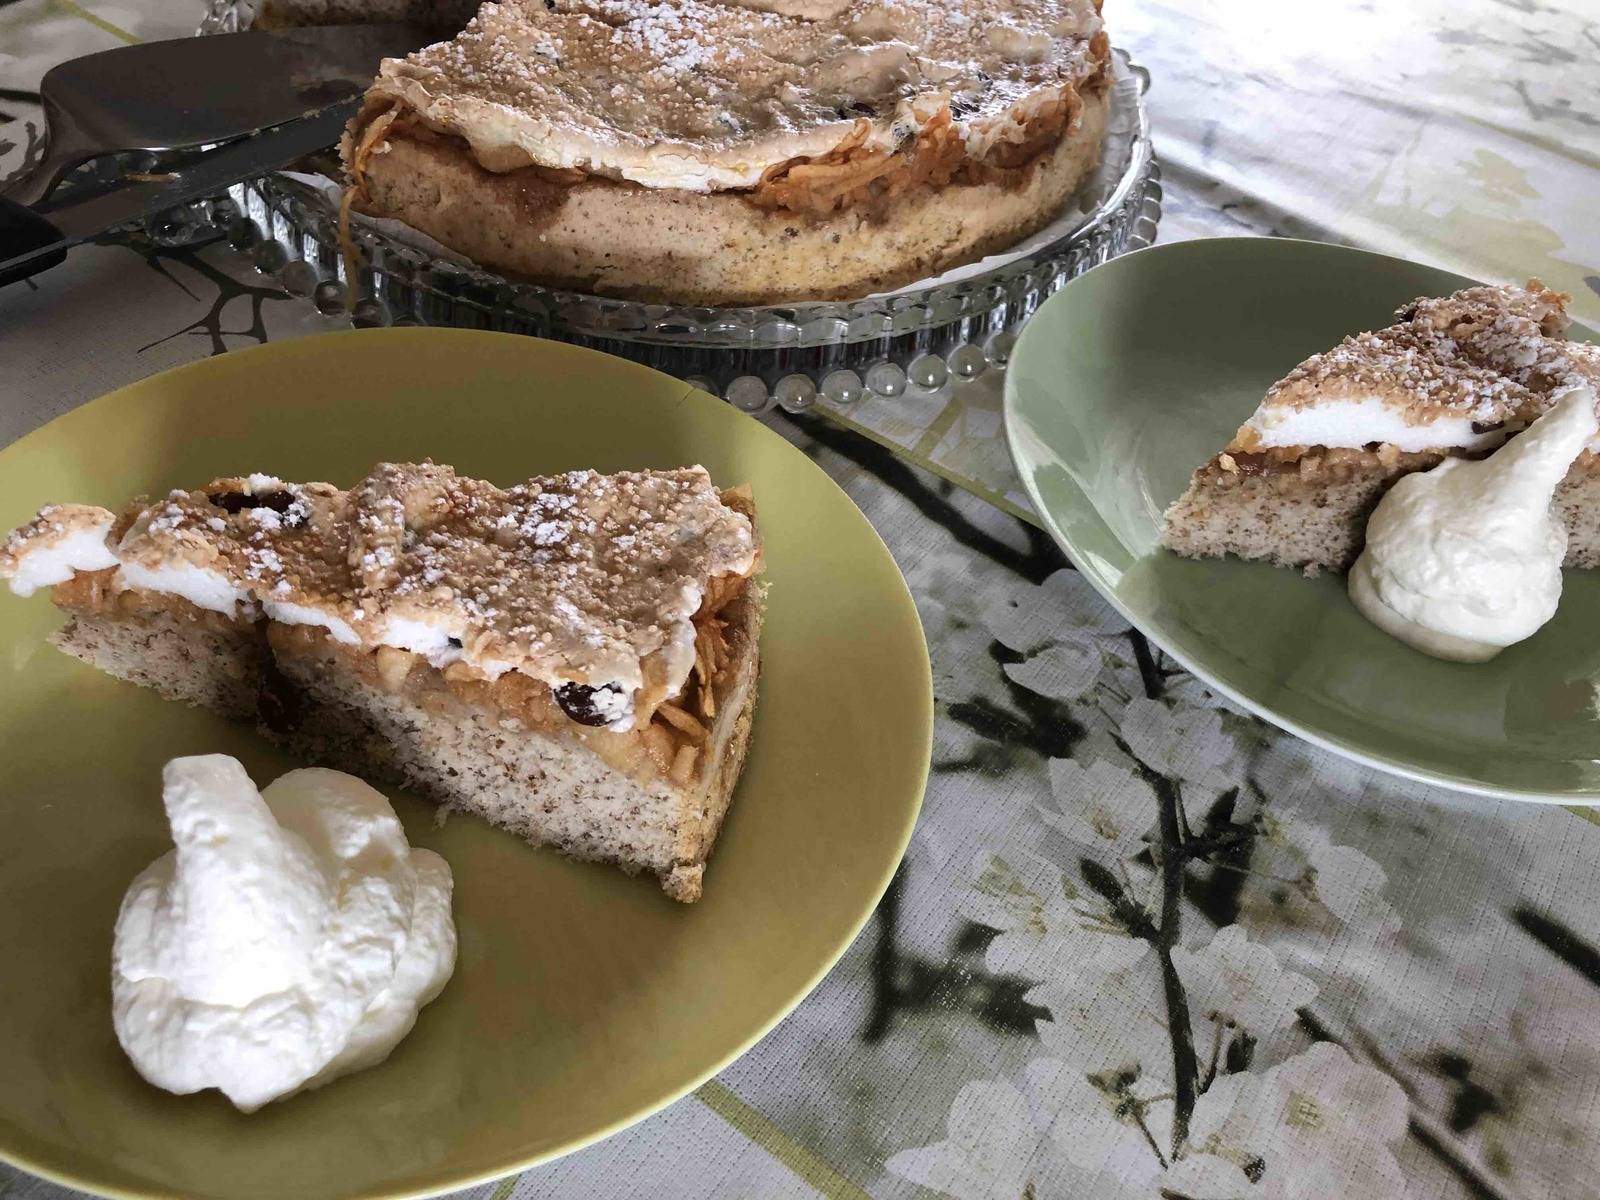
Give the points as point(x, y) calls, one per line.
point(611, 239)
point(703, 807)
point(706, 95)
point(604, 590)
point(574, 658)
point(1491, 354)
point(578, 577)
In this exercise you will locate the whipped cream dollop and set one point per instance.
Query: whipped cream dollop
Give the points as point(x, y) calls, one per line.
point(1465, 560)
point(290, 937)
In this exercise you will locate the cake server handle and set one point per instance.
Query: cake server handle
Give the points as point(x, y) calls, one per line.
point(30, 241)
point(26, 238)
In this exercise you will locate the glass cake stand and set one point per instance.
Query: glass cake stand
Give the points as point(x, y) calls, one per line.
point(957, 325)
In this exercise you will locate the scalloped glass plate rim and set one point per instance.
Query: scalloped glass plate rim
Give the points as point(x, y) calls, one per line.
point(879, 309)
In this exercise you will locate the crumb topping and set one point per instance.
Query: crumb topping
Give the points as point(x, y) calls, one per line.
point(50, 527)
point(711, 93)
point(1493, 355)
point(576, 578)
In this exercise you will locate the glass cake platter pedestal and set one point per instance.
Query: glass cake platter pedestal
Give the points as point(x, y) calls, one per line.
point(953, 327)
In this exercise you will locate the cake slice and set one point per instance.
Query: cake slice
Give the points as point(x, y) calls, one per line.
point(1452, 376)
point(573, 658)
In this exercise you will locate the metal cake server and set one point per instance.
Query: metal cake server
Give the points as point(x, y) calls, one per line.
point(31, 241)
point(192, 92)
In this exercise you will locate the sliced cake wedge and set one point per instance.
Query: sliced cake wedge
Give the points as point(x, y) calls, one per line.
point(1454, 376)
point(574, 658)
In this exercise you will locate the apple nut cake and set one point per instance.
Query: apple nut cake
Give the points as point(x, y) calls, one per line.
point(1453, 376)
point(573, 658)
point(736, 151)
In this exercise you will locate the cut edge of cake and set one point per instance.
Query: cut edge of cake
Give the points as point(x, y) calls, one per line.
point(1453, 376)
point(644, 787)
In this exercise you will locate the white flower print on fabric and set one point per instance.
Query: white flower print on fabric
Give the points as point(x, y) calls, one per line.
point(1305, 891)
point(1103, 1128)
point(1504, 1073)
point(1059, 672)
point(1049, 927)
point(1238, 982)
point(1317, 1126)
point(1347, 882)
point(1011, 1141)
point(1064, 608)
point(991, 1150)
point(1188, 745)
point(1061, 627)
point(1111, 1022)
point(1177, 1066)
point(1102, 807)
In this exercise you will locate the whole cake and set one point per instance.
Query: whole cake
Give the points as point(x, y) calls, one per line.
point(1454, 376)
point(737, 151)
point(573, 658)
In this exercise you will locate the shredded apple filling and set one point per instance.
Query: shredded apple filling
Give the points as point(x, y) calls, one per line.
point(1340, 462)
point(668, 745)
point(855, 175)
point(670, 730)
point(852, 175)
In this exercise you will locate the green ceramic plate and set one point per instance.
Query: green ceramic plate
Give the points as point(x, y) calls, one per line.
point(1136, 373)
point(583, 999)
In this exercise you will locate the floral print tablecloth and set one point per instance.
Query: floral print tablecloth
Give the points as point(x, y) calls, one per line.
point(1142, 946)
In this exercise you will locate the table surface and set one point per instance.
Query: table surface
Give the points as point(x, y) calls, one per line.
point(1347, 985)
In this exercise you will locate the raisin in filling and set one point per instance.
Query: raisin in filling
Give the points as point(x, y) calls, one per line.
point(278, 500)
point(577, 700)
point(279, 704)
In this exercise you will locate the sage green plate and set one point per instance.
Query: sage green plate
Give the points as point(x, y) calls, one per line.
point(1139, 371)
point(583, 999)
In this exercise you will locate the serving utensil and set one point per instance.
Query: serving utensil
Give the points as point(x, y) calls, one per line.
point(192, 92)
point(244, 103)
point(32, 241)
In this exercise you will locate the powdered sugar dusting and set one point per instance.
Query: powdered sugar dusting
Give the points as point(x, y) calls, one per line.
point(1490, 354)
point(712, 93)
point(577, 577)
